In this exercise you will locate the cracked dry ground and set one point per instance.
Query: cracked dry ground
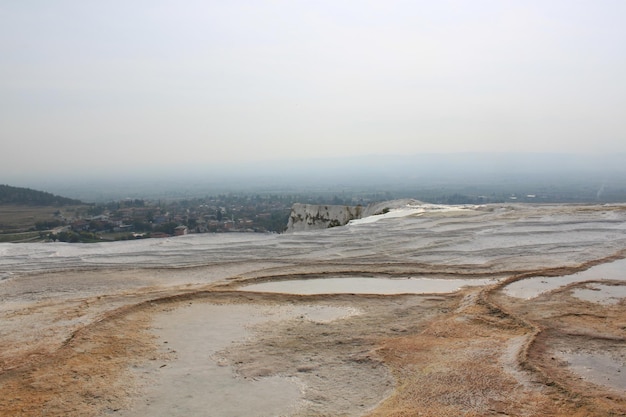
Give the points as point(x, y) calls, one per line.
point(473, 353)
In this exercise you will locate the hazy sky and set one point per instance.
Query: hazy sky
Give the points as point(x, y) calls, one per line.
point(157, 82)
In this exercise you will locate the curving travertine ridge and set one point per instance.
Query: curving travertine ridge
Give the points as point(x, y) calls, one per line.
point(80, 332)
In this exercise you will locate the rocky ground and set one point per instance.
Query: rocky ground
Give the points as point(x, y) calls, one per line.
point(97, 342)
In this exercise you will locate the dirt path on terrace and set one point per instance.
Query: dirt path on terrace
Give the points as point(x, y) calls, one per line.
point(475, 353)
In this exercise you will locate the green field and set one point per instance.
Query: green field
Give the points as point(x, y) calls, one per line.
point(18, 222)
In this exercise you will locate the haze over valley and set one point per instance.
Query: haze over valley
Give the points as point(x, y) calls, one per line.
point(562, 177)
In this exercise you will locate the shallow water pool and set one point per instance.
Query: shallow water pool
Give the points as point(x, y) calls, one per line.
point(599, 368)
point(533, 287)
point(603, 294)
point(365, 285)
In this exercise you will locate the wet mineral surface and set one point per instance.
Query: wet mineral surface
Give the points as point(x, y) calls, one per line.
point(175, 327)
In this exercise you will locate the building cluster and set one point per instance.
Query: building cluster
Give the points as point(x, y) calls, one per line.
point(139, 218)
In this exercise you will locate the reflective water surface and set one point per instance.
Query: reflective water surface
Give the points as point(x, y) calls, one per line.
point(598, 368)
point(533, 287)
point(603, 294)
point(356, 285)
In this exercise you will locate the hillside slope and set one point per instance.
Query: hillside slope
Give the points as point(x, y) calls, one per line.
point(29, 197)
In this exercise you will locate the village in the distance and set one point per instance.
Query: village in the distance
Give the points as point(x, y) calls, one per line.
point(29, 215)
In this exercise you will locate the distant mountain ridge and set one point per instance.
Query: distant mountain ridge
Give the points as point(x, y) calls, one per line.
point(29, 197)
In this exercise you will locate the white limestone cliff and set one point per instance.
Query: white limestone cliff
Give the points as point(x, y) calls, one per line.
point(313, 217)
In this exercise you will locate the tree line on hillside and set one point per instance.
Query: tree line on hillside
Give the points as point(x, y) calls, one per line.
point(26, 196)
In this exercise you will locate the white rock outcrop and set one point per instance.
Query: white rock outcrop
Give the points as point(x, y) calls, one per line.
point(312, 217)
